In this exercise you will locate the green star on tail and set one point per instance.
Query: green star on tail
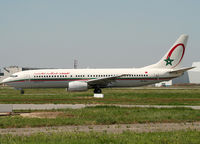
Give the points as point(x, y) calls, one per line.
point(169, 61)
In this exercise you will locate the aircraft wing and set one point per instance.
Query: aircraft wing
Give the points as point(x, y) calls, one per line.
point(103, 82)
point(181, 70)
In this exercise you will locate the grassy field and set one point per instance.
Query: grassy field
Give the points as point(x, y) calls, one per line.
point(158, 96)
point(105, 115)
point(176, 137)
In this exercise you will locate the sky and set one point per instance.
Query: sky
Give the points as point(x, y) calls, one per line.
point(98, 33)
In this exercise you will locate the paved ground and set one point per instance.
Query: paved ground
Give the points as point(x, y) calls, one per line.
point(150, 127)
point(79, 106)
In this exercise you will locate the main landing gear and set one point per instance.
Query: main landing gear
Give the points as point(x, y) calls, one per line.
point(98, 93)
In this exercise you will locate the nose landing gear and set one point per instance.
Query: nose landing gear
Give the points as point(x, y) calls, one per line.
point(22, 91)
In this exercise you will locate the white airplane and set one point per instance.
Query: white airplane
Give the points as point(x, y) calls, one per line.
point(83, 79)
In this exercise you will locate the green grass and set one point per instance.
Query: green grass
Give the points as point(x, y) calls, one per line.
point(105, 115)
point(112, 96)
point(175, 137)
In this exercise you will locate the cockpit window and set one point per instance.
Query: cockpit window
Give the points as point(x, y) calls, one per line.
point(13, 75)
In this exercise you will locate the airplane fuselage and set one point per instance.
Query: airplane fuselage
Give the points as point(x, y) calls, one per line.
point(54, 78)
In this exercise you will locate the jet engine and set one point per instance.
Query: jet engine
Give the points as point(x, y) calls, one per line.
point(77, 86)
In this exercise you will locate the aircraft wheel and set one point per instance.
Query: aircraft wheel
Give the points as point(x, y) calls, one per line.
point(97, 90)
point(21, 91)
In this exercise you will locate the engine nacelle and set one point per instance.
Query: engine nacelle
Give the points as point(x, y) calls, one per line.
point(77, 86)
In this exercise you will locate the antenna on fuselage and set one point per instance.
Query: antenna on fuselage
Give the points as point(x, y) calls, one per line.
point(75, 64)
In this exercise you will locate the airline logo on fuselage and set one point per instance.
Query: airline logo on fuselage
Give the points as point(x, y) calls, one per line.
point(51, 73)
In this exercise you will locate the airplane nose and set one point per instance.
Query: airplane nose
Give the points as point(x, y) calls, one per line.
point(5, 80)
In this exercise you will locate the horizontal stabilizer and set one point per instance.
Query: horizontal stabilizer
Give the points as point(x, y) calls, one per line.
point(181, 70)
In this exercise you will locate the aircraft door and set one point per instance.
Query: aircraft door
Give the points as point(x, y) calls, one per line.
point(27, 81)
point(157, 76)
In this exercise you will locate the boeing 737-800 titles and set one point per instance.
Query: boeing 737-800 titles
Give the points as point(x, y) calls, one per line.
point(83, 79)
